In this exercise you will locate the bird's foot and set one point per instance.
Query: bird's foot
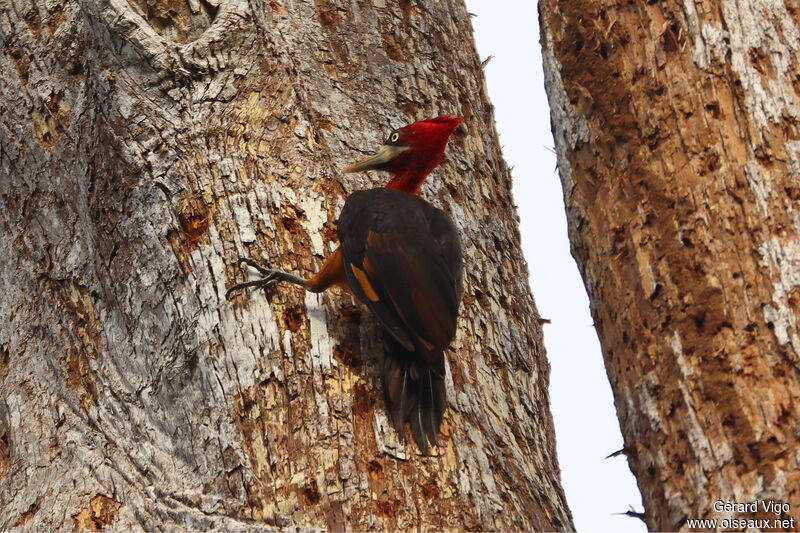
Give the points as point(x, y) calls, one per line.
point(269, 276)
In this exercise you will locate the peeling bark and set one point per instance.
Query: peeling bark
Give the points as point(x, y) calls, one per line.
point(676, 127)
point(144, 147)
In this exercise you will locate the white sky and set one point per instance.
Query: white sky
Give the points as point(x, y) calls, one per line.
point(587, 429)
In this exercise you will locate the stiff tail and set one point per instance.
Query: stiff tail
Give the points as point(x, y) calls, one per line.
point(415, 393)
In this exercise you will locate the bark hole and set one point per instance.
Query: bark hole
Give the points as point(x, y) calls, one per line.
point(100, 513)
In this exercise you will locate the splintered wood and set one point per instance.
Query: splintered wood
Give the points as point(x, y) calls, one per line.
point(676, 126)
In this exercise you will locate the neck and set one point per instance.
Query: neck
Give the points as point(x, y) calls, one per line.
point(407, 181)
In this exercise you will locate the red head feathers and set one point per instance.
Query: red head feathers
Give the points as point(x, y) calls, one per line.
point(411, 152)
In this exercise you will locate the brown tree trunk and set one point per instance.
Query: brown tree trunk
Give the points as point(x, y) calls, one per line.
point(676, 126)
point(144, 147)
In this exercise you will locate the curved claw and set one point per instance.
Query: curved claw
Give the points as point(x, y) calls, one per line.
point(266, 269)
point(255, 283)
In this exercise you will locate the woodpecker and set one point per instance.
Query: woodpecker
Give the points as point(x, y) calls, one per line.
point(401, 257)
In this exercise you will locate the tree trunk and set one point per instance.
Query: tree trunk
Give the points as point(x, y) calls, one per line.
point(676, 126)
point(144, 147)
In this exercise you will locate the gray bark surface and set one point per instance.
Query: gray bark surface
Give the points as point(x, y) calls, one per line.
point(144, 147)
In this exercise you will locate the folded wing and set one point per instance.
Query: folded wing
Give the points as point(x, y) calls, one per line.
point(402, 258)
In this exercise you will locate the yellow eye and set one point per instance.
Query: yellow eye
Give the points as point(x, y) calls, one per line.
point(395, 136)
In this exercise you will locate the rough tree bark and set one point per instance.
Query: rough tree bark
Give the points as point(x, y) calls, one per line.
point(676, 126)
point(144, 147)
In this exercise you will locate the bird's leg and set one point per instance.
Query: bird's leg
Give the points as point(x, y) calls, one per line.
point(269, 277)
point(331, 274)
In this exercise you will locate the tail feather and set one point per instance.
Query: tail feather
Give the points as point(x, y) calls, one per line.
point(435, 399)
point(414, 393)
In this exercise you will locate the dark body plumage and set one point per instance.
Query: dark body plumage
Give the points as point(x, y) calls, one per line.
point(402, 258)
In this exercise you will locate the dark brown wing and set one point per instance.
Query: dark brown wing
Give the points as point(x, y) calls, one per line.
point(402, 257)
